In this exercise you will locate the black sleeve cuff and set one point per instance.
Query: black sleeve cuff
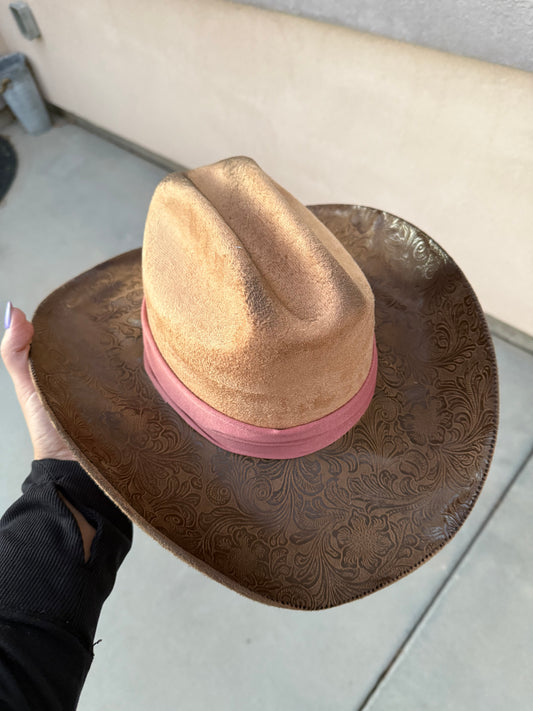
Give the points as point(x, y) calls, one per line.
point(79, 489)
point(42, 567)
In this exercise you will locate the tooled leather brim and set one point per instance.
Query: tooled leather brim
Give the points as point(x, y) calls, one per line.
point(315, 531)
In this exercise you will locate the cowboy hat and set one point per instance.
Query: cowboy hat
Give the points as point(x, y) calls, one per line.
point(300, 402)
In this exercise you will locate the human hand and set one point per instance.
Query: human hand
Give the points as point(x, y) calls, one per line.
point(47, 443)
point(15, 348)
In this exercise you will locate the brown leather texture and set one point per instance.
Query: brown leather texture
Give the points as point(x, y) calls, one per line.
point(316, 531)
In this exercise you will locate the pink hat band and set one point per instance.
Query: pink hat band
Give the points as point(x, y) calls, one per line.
point(241, 437)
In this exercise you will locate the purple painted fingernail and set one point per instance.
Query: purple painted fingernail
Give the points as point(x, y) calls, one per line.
point(7, 317)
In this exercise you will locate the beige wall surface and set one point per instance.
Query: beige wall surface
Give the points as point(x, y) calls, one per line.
point(333, 114)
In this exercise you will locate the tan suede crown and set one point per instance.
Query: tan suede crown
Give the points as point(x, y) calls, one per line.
point(253, 303)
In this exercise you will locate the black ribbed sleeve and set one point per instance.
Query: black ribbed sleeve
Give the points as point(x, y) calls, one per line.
point(50, 599)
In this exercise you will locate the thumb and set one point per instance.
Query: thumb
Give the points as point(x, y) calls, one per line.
point(15, 348)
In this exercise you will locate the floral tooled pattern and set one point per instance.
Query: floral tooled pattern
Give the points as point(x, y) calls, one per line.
point(315, 531)
point(428, 421)
point(244, 556)
point(364, 541)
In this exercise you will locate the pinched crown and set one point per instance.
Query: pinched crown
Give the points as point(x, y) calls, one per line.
point(253, 303)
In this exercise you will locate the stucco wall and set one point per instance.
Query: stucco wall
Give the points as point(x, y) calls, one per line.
point(494, 30)
point(333, 114)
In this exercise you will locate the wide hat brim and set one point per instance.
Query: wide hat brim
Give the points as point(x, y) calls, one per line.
point(315, 531)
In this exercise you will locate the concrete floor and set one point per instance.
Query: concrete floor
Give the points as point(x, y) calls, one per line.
point(455, 634)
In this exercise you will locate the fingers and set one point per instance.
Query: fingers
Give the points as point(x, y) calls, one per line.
point(15, 350)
